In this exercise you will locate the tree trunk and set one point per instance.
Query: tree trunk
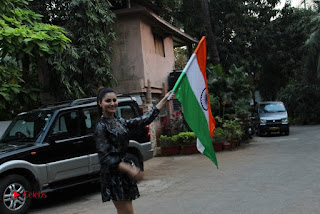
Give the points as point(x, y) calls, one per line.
point(25, 67)
point(46, 96)
point(211, 40)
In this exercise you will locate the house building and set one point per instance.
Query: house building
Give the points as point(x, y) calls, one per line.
point(144, 57)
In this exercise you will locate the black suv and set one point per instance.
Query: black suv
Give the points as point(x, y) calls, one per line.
point(53, 147)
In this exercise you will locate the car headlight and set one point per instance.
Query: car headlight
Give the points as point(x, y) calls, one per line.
point(284, 120)
point(263, 121)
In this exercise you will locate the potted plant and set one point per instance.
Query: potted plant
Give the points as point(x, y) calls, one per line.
point(218, 139)
point(169, 146)
point(188, 141)
point(234, 132)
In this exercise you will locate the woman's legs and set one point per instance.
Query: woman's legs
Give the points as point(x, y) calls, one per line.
point(124, 207)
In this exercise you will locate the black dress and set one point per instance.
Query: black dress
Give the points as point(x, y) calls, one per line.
point(112, 140)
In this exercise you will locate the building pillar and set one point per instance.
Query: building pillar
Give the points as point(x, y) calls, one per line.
point(147, 107)
point(156, 126)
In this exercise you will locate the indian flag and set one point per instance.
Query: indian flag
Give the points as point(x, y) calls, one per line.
point(192, 91)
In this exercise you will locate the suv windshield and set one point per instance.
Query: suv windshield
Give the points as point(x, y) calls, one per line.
point(272, 107)
point(26, 127)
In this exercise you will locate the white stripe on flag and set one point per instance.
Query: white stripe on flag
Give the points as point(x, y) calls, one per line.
point(196, 81)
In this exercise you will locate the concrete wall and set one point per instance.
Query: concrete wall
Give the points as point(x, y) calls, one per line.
point(156, 67)
point(135, 60)
point(127, 61)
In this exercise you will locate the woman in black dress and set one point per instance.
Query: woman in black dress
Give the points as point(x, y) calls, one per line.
point(118, 178)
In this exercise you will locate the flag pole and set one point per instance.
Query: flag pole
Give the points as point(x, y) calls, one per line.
point(186, 68)
point(181, 75)
point(170, 95)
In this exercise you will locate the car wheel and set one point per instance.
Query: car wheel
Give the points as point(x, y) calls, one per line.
point(287, 132)
point(12, 199)
point(133, 160)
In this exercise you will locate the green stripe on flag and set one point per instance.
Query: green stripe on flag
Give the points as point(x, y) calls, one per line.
point(194, 116)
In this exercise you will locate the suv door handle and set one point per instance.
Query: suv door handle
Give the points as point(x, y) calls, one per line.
point(77, 142)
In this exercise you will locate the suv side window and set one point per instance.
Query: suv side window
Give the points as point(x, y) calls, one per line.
point(24, 127)
point(125, 112)
point(68, 125)
point(60, 125)
point(90, 117)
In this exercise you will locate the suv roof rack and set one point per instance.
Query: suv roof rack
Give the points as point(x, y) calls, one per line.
point(83, 101)
point(70, 102)
point(80, 101)
point(54, 104)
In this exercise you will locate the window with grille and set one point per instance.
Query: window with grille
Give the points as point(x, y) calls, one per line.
point(176, 105)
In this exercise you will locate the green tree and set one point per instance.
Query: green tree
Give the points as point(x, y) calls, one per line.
point(23, 40)
point(311, 52)
point(211, 38)
point(240, 29)
point(86, 64)
point(279, 49)
point(302, 93)
point(232, 89)
point(283, 55)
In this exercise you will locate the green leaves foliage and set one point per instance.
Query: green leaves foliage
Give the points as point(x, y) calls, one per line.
point(233, 129)
point(272, 45)
point(231, 88)
point(302, 101)
point(23, 39)
point(21, 33)
point(219, 135)
point(182, 138)
point(15, 93)
point(283, 56)
point(301, 94)
point(86, 63)
point(311, 52)
point(9, 83)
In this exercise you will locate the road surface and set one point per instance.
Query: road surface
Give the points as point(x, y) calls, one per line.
point(277, 174)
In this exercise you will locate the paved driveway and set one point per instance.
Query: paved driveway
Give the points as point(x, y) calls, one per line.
point(278, 174)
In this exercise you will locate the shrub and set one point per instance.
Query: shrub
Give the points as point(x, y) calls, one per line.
point(186, 138)
point(302, 101)
point(164, 140)
point(233, 129)
point(183, 138)
point(219, 135)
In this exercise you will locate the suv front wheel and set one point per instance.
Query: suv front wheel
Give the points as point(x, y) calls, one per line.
point(12, 194)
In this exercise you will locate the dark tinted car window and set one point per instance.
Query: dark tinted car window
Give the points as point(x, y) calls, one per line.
point(125, 112)
point(68, 124)
point(27, 127)
point(91, 117)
